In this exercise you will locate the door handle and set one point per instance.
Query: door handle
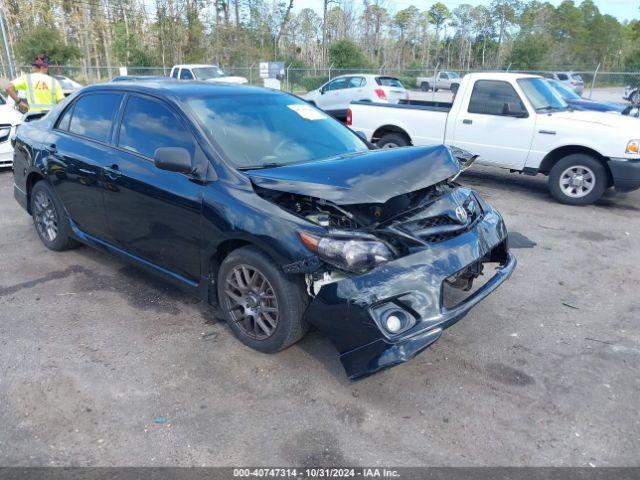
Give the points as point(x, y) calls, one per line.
point(466, 121)
point(112, 172)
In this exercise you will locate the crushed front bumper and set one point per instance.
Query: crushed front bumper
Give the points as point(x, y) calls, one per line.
point(348, 310)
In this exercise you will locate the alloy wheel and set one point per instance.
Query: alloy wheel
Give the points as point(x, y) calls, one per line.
point(390, 145)
point(577, 181)
point(46, 217)
point(251, 301)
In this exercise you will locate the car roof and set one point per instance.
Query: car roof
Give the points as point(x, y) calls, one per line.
point(500, 75)
point(178, 90)
point(194, 65)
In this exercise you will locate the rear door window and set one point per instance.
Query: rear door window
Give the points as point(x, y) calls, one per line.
point(93, 115)
point(148, 125)
point(493, 97)
point(356, 82)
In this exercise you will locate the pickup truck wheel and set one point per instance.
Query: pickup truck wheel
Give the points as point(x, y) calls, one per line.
point(635, 98)
point(424, 86)
point(578, 179)
point(50, 219)
point(263, 307)
point(393, 140)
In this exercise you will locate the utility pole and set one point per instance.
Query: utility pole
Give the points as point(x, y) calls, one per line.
point(5, 41)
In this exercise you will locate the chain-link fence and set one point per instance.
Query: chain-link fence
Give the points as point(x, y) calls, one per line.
point(598, 85)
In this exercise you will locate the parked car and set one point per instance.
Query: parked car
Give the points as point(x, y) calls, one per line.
point(207, 73)
point(68, 86)
point(335, 96)
point(139, 78)
point(516, 121)
point(632, 94)
point(571, 79)
point(444, 80)
point(576, 102)
point(257, 201)
point(9, 119)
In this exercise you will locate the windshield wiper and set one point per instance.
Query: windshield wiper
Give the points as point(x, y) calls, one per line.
point(549, 108)
point(263, 165)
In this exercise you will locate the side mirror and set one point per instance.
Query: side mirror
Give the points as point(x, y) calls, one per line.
point(173, 159)
point(321, 90)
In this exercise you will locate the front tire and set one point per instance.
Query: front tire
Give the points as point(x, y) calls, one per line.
point(393, 140)
point(578, 179)
point(49, 218)
point(263, 307)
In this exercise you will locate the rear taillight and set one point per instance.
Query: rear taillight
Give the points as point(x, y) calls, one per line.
point(349, 118)
point(380, 93)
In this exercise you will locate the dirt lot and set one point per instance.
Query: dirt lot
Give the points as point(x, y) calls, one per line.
point(102, 365)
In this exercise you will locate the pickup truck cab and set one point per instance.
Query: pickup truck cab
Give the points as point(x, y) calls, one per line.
point(518, 122)
point(206, 73)
point(443, 80)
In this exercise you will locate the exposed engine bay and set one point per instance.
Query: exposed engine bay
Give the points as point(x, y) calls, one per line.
point(405, 223)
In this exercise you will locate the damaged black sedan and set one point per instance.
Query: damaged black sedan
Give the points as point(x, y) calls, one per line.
point(258, 202)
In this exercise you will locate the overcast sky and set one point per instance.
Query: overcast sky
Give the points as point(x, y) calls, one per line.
point(622, 9)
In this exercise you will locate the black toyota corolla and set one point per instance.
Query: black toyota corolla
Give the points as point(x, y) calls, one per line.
point(257, 201)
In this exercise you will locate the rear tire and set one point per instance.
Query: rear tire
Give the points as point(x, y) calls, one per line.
point(49, 218)
point(424, 86)
point(578, 179)
point(263, 307)
point(393, 140)
point(635, 98)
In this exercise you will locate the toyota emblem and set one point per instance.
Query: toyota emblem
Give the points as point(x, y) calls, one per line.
point(461, 213)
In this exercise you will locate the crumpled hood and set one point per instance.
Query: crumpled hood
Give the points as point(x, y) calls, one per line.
point(368, 177)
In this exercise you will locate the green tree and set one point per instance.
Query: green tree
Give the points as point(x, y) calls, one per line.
point(44, 40)
point(438, 14)
point(346, 54)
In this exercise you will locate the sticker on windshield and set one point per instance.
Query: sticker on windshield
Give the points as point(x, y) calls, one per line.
point(307, 112)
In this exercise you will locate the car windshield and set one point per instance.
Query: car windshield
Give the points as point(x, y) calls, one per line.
point(269, 130)
point(565, 93)
point(541, 95)
point(205, 73)
point(453, 75)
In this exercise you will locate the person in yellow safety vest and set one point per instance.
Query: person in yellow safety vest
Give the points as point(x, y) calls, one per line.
point(42, 91)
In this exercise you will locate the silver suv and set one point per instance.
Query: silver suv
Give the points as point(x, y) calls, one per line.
point(571, 79)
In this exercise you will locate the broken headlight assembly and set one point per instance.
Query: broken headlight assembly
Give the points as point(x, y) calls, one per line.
point(351, 254)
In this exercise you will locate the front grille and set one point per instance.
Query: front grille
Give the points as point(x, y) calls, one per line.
point(439, 228)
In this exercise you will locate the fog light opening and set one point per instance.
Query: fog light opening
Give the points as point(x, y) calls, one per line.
point(393, 323)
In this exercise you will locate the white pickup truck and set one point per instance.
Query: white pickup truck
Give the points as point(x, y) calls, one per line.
point(517, 122)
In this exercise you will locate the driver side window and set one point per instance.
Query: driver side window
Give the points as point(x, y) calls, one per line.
point(337, 84)
point(185, 74)
point(492, 97)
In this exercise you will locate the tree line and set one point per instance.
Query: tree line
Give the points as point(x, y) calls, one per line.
point(529, 35)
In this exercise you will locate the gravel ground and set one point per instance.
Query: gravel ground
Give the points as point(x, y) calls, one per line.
point(101, 364)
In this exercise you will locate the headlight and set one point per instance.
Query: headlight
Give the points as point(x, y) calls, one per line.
point(633, 147)
point(351, 254)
